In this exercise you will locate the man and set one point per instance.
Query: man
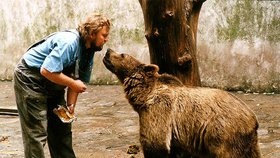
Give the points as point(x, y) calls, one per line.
point(63, 60)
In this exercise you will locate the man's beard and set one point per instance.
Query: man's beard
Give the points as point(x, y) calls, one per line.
point(97, 48)
point(94, 47)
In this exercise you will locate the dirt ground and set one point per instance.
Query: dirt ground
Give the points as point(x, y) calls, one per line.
point(107, 125)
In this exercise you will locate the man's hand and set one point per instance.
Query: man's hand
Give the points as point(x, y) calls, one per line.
point(71, 108)
point(72, 97)
point(78, 86)
point(74, 86)
point(61, 79)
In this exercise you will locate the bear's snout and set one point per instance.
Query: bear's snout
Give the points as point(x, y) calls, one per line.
point(107, 55)
point(109, 50)
point(107, 61)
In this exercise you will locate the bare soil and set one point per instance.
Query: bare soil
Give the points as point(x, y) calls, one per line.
point(107, 124)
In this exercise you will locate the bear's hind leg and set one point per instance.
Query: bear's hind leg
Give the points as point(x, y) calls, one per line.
point(239, 149)
point(254, 150)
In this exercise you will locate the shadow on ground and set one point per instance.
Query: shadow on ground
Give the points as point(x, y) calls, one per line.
point(107, 125)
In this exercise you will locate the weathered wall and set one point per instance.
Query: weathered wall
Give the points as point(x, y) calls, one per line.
point(238, 45)
point(238, 41)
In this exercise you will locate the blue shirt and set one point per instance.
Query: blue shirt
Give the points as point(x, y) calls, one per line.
point(59, 52)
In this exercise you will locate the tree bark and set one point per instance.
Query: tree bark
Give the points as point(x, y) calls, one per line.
point(170, 30)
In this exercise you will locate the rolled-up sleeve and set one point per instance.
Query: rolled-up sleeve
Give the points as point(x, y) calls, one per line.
point(61, 55)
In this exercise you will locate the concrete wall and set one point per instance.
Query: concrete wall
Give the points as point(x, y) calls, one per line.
point(238, 48)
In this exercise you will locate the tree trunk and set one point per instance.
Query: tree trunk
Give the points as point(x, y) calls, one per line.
point(170, 29)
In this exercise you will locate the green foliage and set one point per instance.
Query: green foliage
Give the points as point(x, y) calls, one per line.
point(274, 26)
point(49, 20)
point(248, 19)
point(128, 24)
point(127, 34)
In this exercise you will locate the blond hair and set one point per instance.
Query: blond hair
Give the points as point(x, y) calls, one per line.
point(92, 24)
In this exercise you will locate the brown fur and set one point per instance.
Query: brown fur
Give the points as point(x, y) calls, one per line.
point(179, 121)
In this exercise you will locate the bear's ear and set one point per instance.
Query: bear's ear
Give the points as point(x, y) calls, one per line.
point(151, 69)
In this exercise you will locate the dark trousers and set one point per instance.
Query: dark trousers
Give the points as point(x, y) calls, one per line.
point(36, 97)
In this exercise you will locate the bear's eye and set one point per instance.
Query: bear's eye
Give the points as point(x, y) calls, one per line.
point(122, 55)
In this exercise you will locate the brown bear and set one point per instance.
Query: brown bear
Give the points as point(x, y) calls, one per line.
point(180, 121)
